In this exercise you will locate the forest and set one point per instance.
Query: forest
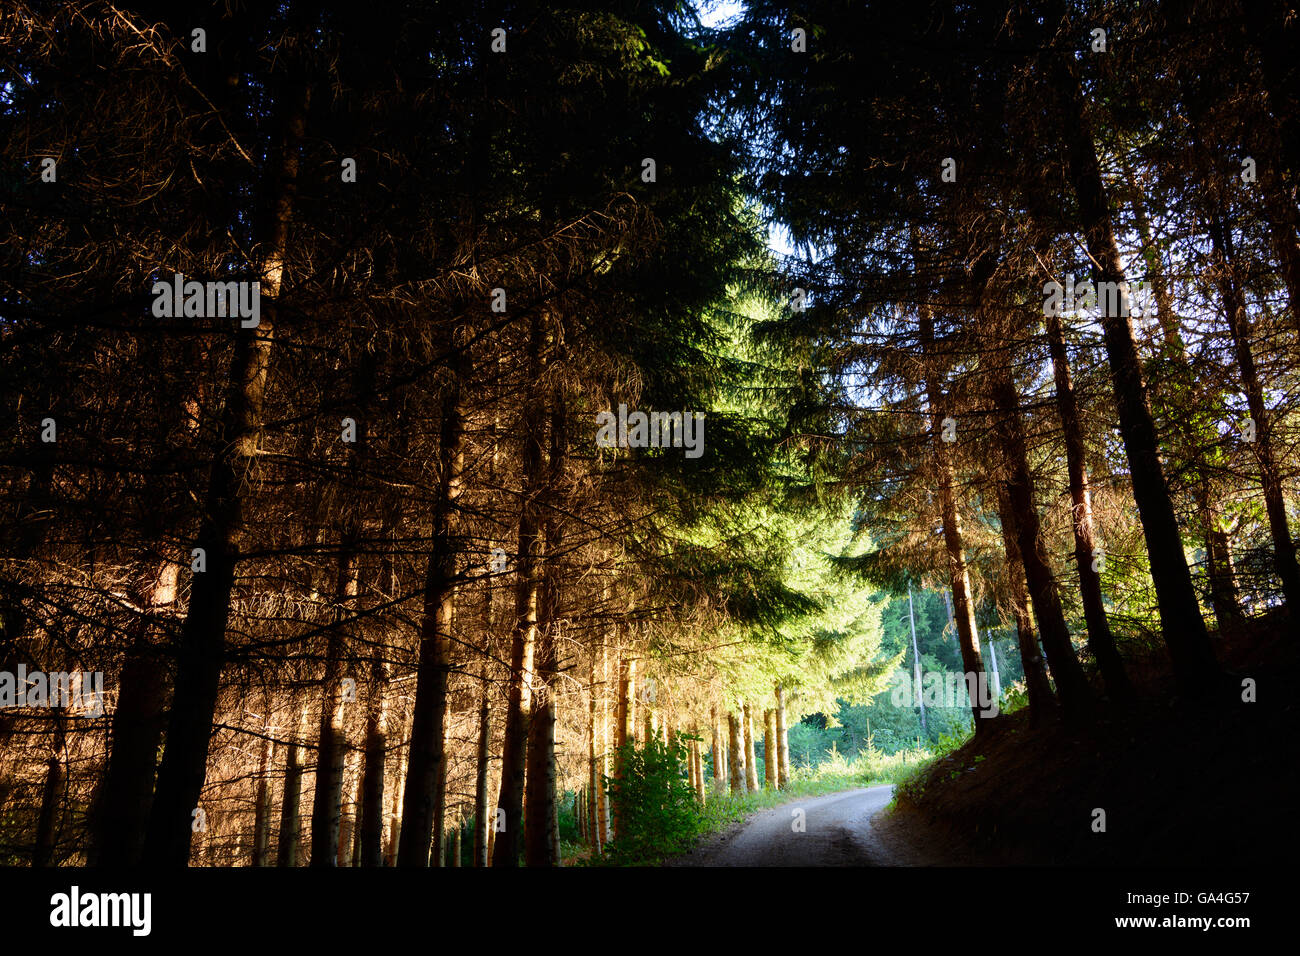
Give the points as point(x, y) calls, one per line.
point(504, 433)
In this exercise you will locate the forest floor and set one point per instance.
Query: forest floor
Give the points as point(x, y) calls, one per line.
point(1181, 782)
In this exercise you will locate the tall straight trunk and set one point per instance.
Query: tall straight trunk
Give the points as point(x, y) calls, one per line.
point(958, 573)
point(347, 812)
point(1223, 588)
point(327, 803)
point(737, 761)
point(1101, 643)
point(47, 820)
point(769, 749)
point(593, 750)
point(541, 815)
point(625, 722)
point(262, 807)
point(372, 786)
point(540, 849)
point(782, 741)
point(202, 646)
point(122, 808)
point(426, 760)
point(751, 760)
point(719, 781)
point(1181, 623)
point(287, 850)
point(453, 857)
point(1071, 685)
point(523, 643)
point(482, 758)
point(1264, 447)
point(601, 800)
point(1042, 702)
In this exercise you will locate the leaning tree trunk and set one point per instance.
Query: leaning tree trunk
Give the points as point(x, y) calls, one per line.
point(1181, 623)
point(1037, 688)
point(1071, 684)
point(1100, 640)
point(202, 649)
point(1264, 446)
point(958, 574)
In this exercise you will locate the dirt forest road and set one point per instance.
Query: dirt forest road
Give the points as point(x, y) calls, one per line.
point(835, 830)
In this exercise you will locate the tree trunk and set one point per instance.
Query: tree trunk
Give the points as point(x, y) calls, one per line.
point(593, 749)
point(625, 723)
point(751, 760)
point(1100, 640)
point(1071, 685)
point(1234, 307)
point(736, 760)
point(372, 787)
point(47, 821)
point(1042, 702)
point(202, 649)
point(287, 851)
point(426, 761)
point(769, 749)
point(1181, 623)
point(524, 638)
point(958, 574)
point(782, 741)
point(262, 808)
point(719, 779)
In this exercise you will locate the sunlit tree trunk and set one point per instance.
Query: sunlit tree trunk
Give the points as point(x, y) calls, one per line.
point(523, 646)
point(1100, 640)
point(719, 763)
point(769, 749)
point(735, 758)
point(782, 741)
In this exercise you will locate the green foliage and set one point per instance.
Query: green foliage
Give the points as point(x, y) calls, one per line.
point(656, 806)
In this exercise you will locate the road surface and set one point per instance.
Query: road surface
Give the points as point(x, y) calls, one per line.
point(835, 830)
